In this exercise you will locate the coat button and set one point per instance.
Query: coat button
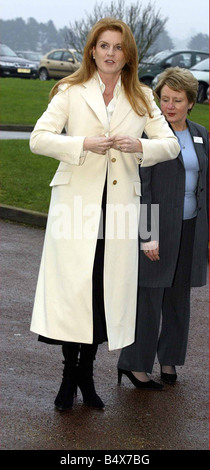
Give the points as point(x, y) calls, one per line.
point(113, 160)
point(115, 182)
point(140, 160)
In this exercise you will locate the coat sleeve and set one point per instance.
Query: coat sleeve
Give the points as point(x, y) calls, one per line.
point(47, 138)
point(161, 144)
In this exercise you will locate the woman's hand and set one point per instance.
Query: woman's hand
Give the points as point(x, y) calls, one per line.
point(127, 144)
point(151, 250)
point(98, 144)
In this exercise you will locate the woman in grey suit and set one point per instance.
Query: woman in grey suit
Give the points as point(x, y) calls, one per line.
point(170, 266)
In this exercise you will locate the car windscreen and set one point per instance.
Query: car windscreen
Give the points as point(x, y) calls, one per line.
point(153, 59)
point(5, 50)
point(33, 56)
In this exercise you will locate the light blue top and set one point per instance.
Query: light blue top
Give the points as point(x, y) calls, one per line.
point(191, 173)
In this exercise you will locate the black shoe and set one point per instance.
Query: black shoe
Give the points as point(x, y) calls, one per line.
point(68, 389)
point(86, 384)
point(150, 385)
point(170, 379)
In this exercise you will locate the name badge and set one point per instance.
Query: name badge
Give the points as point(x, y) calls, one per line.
point(198, 140)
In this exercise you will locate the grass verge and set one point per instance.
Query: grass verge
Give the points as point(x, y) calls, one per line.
point(23, 101)
point(25, 177)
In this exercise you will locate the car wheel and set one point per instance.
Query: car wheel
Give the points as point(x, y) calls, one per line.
point(43, 74)
point(202, 95)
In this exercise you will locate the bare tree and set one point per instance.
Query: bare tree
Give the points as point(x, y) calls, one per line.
point(145, 23)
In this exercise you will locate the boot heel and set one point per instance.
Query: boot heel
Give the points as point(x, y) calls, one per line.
point(119, 376)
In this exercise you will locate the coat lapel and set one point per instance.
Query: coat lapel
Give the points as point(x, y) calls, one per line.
point(92, 94)
point(121, 110)
point(198, 146)
point(180, 157)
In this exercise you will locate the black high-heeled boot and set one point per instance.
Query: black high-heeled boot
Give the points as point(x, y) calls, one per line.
point(150, 385)
point(65, 397)
point(85, 376)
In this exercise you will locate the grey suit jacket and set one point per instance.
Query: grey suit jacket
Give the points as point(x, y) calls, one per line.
point(164, 184)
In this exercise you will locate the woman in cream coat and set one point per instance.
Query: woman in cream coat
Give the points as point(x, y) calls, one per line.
point(87, 284)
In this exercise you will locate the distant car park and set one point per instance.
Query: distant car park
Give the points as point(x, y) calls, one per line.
point(30, 55)
point(152, 66)
point(59, 63)
point(201, 72)
point(13, 66)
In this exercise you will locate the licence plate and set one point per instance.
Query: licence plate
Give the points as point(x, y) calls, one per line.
point(24, 70)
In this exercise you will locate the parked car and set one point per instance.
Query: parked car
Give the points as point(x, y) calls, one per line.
point(59, 63)
point(30, 55)
point(154, 65)
point(201, 72)
point(13, 66)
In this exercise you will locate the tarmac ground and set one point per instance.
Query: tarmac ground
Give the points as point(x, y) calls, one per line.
point(176, 418)
point(5, 135)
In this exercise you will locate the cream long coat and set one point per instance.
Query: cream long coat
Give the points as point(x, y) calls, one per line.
point(63, 300)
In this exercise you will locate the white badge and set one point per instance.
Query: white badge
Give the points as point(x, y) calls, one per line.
point(198, 140)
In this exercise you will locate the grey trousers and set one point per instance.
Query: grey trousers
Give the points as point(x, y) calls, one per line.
point(168, 338)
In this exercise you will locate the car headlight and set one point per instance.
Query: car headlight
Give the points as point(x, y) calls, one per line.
point(8, 64)
point(33, 66)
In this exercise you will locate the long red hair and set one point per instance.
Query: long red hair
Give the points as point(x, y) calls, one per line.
point(130, 81)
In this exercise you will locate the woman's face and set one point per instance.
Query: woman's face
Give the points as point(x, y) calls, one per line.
point(109, 57)
point(174, 105)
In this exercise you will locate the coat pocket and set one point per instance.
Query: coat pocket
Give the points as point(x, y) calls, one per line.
point(137, 188)
point(61, 177)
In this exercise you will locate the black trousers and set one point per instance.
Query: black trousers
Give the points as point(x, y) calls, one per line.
point(169, 341)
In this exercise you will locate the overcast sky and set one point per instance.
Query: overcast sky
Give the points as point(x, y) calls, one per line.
point(185, 17)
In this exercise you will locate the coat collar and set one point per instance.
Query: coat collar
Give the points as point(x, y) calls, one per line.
point(92, 94)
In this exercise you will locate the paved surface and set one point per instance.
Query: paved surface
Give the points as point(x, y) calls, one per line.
point(14, 135)
point(174, 419)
